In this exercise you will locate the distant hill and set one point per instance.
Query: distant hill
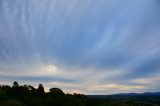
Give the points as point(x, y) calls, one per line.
point(126, 94)
point(138, 94)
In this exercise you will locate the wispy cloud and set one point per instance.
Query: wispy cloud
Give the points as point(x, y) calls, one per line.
point(92, 45)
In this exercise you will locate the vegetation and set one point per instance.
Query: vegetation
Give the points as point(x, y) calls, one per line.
point(27, 95)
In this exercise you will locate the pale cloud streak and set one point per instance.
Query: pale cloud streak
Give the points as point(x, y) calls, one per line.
point(91, 46)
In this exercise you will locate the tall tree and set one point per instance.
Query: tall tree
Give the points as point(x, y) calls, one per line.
point(40, 89)
point(15, 84)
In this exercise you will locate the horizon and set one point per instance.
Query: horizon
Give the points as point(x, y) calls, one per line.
point(47, 90)
point(81, 46)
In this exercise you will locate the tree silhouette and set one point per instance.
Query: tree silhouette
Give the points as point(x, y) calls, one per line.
point(40, 90)
point(31, 89)
point(15, 84)
point(56, 91)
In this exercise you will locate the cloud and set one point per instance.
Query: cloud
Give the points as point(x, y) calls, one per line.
point(101, 44)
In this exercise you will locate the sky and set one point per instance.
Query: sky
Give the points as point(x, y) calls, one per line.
point(83, 46)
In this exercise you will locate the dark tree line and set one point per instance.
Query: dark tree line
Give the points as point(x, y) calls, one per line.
point(27, 95)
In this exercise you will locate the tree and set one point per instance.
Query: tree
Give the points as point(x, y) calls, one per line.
point(40, 89)
point(15, 90)
point(56, 91)
point(15, 84)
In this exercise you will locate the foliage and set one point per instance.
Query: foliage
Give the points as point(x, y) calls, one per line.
point(27, 95)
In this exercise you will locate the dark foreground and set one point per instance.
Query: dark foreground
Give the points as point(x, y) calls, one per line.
point(27, 95)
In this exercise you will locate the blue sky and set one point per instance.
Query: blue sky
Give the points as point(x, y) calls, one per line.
point(84, 46)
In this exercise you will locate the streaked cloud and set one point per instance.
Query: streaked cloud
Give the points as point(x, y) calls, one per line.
point(88, 46)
